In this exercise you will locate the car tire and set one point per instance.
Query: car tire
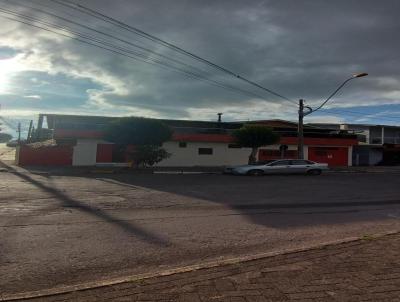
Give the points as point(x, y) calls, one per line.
point(314, 172)
point(255, 173)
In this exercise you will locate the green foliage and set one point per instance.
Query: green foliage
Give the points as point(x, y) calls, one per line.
point(5, 137)
point(255, 136)
point(138, 131)
point(146, 135)
point(148, 155)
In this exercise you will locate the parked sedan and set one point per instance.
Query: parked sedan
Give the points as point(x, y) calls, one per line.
point(283, 166)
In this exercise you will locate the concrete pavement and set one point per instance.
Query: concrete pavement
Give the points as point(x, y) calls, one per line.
point(57, 231)
point(359, 270)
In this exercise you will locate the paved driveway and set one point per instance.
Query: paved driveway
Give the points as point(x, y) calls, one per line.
point(60, 230)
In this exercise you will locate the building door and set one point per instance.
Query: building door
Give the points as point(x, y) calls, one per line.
point(104, 153)
point(333, 156)
point(84, 153)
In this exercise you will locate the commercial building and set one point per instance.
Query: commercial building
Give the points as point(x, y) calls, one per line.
point(377, 144)
point(79, 141)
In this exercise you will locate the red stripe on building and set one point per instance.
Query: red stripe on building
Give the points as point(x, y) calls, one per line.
point(214, 138)
point(65, 133)
point(327, 141)
point(210, 138)
point(225, 138)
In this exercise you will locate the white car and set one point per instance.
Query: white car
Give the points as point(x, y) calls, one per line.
point(282, 166)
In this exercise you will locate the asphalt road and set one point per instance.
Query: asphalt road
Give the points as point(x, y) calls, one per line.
point(63, 230)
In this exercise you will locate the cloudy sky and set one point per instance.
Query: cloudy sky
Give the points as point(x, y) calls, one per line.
point(298, 48)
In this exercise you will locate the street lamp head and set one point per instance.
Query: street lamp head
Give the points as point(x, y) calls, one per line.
point(359, 75)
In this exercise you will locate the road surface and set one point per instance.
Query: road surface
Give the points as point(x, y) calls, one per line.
point(65, 230)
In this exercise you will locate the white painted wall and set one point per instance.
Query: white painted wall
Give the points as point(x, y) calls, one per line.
point(187, 157)
point(85, 152)
point(222, 155)
point(350, 156)
point(305, 151)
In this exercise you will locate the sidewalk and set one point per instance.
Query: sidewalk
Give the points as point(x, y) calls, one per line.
point(367, 169)
point(362, 270)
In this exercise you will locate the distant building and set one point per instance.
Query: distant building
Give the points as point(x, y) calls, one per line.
point(377, 144)
point(78, 141)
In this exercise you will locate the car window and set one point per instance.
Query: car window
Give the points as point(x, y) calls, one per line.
point(299, 162)
point(263, 162)
point(281, 163)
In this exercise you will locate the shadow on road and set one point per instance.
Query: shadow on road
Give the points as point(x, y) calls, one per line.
point(274, 201)
point(67, 201)
point(280, 201)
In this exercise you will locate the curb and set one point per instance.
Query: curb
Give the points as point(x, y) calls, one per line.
point(212, 264)
point(186, 172)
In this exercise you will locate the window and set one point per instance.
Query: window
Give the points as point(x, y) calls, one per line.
point(300, 162)
point(234, 146)
point(205, 151)
point(182, 144)
point(281, 163)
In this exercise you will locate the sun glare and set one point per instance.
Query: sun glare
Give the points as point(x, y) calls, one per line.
point(8, 67)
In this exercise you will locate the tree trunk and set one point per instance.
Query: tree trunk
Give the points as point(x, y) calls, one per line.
point(252, 157)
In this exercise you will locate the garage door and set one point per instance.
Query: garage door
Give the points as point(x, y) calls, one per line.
point(333, 156)
point(104, 153)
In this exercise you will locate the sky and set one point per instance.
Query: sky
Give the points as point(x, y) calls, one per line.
point(297, 48)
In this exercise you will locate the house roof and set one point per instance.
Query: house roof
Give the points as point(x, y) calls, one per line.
point(353, 124)
point(53, 119)
point(93, 126)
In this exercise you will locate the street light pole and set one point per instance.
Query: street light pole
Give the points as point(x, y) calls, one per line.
point(302, 114)
point(300, 146)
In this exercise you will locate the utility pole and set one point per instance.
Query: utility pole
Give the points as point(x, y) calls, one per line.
point(19, 132)
point(300, 131)
point(30, 131)
point(302, 114)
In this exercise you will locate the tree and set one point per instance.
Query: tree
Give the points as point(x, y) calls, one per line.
point(146, 136)
point(5, 137)
point(254, 137)
point(148, 155)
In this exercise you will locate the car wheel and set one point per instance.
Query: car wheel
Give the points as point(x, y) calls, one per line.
point(314, 172)
point(255, 172)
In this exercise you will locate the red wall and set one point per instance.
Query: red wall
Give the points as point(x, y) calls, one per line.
point(332, 156)
point(104, 153)
point(66, 133)
point(46, 156)
point(217, 138)
point(327, 141)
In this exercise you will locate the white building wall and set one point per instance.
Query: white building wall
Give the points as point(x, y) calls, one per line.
point(350, 156)
point(222, 154)
point(189, 156)
point(85, 152)
point(305, 152)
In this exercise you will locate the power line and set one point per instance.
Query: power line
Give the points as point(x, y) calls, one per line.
point(142, 57)
point(9, 123)
point(153, 38)
point(121, 51)
point(110, 36)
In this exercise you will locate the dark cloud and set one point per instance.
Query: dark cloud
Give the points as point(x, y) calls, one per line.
point(302, 49)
